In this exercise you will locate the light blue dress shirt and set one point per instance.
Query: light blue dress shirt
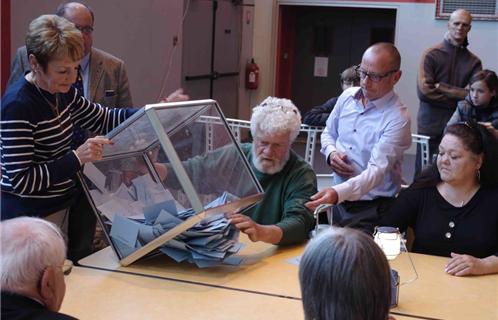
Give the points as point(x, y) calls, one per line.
point(85, 74)
point(374, 138)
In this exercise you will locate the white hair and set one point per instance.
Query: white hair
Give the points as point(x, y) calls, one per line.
point(29, 245)
point(276, 116)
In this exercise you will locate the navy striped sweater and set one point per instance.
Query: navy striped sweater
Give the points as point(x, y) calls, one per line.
point(38, 165)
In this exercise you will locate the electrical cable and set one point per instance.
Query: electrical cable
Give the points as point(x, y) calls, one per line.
point(172, 53)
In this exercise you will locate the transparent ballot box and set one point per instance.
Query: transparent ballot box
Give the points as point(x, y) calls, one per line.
point(165, 182)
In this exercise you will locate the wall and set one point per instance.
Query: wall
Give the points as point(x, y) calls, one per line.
point(139, 32)
point(416, 29)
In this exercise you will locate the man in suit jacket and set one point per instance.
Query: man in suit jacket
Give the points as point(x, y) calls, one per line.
point(32, 281)
point(104, 76)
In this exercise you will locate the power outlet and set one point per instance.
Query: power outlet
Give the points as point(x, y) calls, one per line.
point(175, 41)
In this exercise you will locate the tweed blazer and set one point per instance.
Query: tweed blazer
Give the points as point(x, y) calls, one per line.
point(108, 80)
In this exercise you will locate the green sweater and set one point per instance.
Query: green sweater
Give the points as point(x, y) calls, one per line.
point(286, 192)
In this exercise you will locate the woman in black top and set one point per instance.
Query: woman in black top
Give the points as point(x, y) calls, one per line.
point(452, 205)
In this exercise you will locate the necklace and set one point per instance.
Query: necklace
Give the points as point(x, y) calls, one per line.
point(451, 197)
point(55, 108)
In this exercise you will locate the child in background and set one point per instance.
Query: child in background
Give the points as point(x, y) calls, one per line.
point(481, 105)
point(318, 115)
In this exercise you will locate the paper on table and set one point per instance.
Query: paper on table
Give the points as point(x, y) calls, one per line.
point(295, 260)
point(125, 230)
point(175, 254)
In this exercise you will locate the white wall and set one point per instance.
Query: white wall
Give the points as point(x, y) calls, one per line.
point(139, 32)
point(416, 30)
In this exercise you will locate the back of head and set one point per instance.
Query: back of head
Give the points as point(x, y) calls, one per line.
point(350, 76)
point(29, 245)
point(344, 275)
point(50, 36)
point(276, 116)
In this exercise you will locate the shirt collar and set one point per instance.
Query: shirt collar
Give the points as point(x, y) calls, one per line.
point(84, 62)
point(378, 103)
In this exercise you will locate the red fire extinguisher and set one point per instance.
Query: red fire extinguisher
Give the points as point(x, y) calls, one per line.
point(252, 75)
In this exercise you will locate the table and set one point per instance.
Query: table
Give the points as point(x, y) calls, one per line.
point(264, 269)
point(97, 294)
point(266, 272)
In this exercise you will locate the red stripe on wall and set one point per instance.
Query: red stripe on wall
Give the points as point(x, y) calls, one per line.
point(5, 42)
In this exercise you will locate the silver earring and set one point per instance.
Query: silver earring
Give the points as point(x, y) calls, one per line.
point(478, 175)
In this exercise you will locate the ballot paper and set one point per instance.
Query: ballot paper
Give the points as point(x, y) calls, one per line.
point(211, 242)
point(94, 174)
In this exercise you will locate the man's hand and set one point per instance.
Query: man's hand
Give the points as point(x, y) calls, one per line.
point(256, 232)
point(91, 150)
point(177, 96)
point(466, 265)
point(339, 162)
point(327, 195)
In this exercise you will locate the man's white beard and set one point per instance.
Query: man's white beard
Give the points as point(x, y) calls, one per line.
point(275, 168)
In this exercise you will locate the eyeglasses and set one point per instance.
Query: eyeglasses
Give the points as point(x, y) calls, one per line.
point(85, 30)
point(66, 267)
point(375, 77)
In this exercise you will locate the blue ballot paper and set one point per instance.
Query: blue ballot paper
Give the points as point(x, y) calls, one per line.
point(212, 241)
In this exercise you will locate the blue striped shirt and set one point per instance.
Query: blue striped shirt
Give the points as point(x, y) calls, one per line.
point(37, 162)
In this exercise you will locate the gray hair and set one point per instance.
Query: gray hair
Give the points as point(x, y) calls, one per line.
point(29, 245)
point(276, 116)
point(344, 275)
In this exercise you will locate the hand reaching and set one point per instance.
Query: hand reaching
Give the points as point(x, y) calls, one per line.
point(177, 96)
point(91, 150)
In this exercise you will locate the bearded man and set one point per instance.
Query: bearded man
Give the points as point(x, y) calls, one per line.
point(288, 180)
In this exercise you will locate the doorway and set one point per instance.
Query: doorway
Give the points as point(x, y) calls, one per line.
point(338, 36)
point(211, 52)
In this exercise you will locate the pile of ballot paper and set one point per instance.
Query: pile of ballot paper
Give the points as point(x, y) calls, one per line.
point(212, 241)
point(144, 210)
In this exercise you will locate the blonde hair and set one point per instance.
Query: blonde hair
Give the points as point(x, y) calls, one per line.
point(50, 36)
point(276, 116)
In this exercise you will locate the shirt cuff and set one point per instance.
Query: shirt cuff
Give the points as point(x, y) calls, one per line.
point(343, 190)
point(74, 151)
point(328, 150)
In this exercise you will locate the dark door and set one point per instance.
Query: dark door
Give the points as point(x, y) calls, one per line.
point(210, 68)
point(339, 34)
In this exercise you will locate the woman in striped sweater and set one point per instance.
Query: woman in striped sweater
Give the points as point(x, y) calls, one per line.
point(38, 113)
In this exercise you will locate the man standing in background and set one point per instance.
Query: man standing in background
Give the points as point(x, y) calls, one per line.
point(445, 70)
point(104, 77)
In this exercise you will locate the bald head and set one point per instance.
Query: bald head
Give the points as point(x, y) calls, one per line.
point(379, 70)
point(82, 17)
point(70, 8)
point(461, 13)
point(387, 53)
point(459, 25)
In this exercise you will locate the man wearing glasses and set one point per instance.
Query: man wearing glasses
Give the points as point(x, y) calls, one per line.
point(363, 142)
point(444, 72)
point(103, 77)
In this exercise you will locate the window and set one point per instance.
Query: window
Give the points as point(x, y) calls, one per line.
point(480, 9)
